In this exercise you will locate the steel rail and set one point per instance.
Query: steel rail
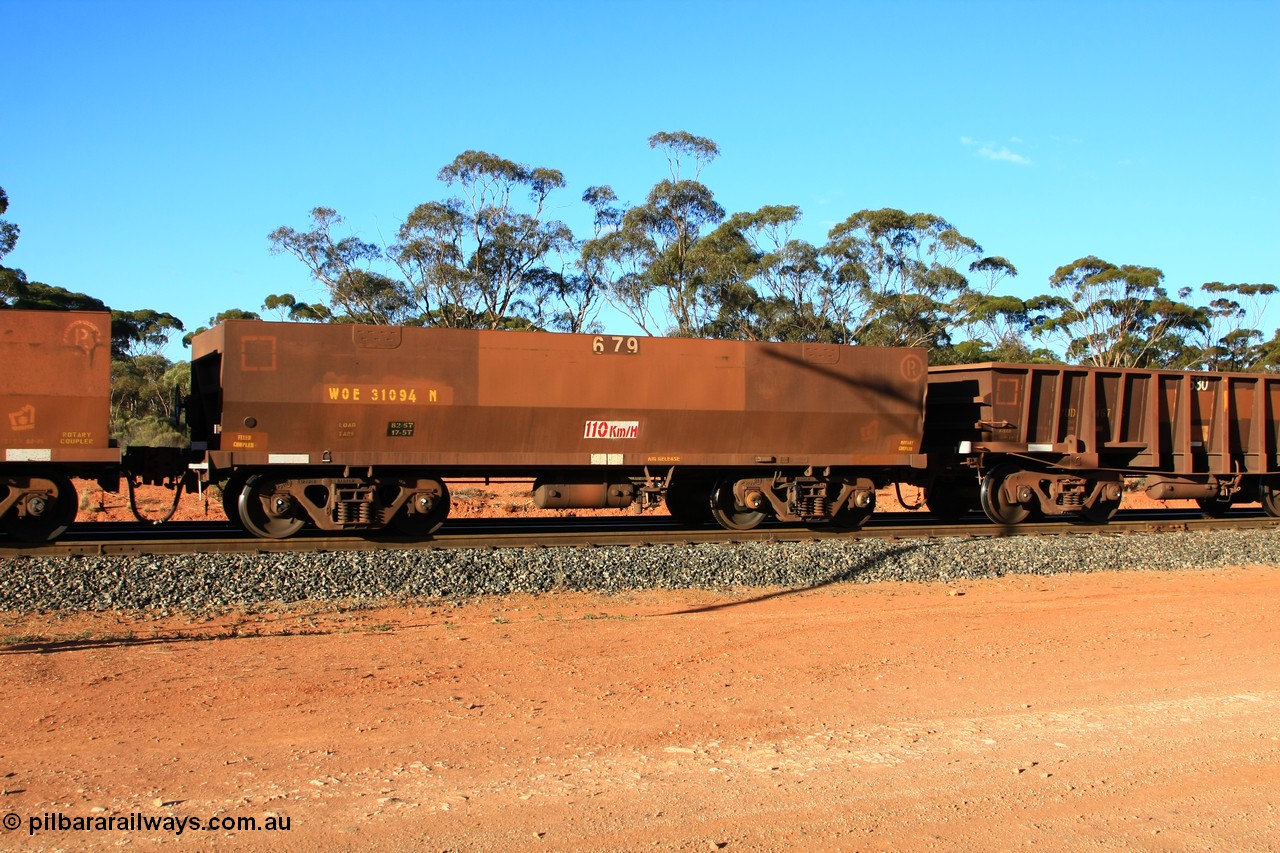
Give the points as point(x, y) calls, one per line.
point(126, 539)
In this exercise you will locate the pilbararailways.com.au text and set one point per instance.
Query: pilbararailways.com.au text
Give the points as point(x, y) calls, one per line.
point(139, 822)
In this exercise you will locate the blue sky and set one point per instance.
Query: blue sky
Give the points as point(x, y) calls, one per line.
point(148, 148)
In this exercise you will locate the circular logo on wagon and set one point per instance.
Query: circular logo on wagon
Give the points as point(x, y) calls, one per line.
point(912, 367)
point(82, 335)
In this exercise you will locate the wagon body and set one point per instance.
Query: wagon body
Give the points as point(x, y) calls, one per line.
point(569, 410)
point(522, 402)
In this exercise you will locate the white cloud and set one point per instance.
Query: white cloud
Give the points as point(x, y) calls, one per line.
point(1000, 154)
point(1003, 154)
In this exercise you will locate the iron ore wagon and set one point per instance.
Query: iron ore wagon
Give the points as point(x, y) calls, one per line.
point(1019, 440)
point(357, 427)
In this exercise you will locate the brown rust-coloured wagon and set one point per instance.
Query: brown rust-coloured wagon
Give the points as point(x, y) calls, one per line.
point(1015, 439)
point(355, 427)
point(55, 398)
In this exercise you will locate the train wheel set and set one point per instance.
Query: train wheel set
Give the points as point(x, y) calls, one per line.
point(278, 504)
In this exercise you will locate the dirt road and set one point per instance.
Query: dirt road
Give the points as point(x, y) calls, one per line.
point(1117, 711)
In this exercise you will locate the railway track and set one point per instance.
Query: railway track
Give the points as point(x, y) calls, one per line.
point(132, 539)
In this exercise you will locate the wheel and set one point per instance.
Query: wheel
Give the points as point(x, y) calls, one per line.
point(231, 489)
point(1269, 494)
point(851, 517)
point(47, 518)
point(949, 501)
point(689, 503)
point(728, 514)
point(997, 507)
point(431, 512)
point(1214, 508)
point(266, 512)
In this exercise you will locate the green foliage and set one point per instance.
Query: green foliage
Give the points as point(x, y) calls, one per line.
point(144, 331)
point(1268, 356)
point(13, 282)
point(894, 279)
point(150, 431)
point(1116, 316)
point(681, 146)
point(38, 296)
point(653, 252)
point(488, 257)
point(229, 314)
point(480, 259)
point(146, 391)
point(357, 293)
point(768, 286)
point(8, 230)
point(1227, 341)
point(677, 264)
point(288, 307)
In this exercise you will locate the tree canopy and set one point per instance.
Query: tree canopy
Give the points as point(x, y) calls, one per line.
point(488, 255)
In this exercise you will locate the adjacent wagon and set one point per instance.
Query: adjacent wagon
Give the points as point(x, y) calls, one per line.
point(1017, 439)
point(55, 400)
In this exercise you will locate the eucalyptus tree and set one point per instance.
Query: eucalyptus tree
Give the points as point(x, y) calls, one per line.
point(229, 314)
point(8, 230)
point(357, 292)
point(895, 277)
point(1268, 357)
point(570, 298)
point(770, 286)
point(13, 282)
point(1229, 339)
point(142, 332)
point(483, 257)
point(1116, 316)
point(654, 272)
point(996, 327)
point(287, 307)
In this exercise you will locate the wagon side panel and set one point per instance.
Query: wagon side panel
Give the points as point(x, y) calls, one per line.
point(55, 387)
point(457, 399)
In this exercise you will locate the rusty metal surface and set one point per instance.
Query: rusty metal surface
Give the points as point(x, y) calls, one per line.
point(1172, 422)
point(55, 376)
point(459, 401)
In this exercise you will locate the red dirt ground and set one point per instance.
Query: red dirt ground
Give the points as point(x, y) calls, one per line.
point(1114, 711)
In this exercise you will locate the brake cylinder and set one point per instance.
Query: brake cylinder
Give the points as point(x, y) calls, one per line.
point(583, 495)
